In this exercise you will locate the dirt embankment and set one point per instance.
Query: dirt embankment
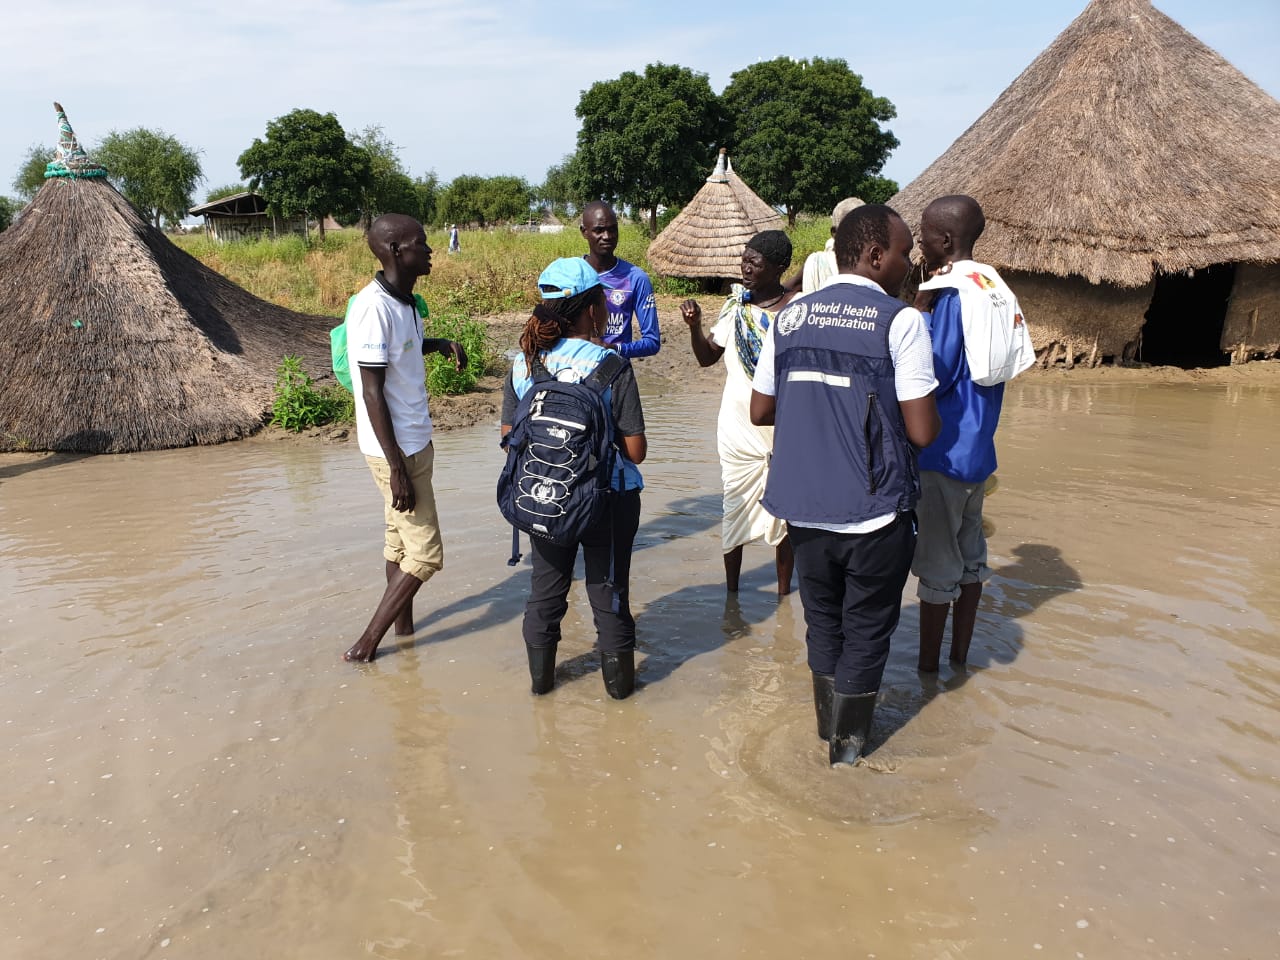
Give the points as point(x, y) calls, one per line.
point(675, 367)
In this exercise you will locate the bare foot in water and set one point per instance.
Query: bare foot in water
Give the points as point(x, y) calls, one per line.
point(362, 651)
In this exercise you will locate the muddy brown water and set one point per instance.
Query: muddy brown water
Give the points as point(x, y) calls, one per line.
point(190, 771)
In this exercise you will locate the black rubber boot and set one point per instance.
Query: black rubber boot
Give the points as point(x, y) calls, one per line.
point(619, 671)
point(542, 668)
point(850, 726)
point(824, 688)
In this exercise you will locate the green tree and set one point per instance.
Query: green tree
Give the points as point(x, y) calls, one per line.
point(505, 199)
point(307, 165)
point(155, 171)
point(647, 140)
point(459, 200)
point(390, 189)
point(427, 188)
point(8, 210)
point(468, 198)
point(558, 192)
point(806, 133)
point(30, 177)
point(226, 190)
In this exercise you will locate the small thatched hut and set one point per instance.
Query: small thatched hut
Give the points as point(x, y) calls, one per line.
point(1131, 182)
point(113, 340)
point(706, 238)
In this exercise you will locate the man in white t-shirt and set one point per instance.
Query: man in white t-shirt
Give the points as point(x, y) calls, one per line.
point(393, 423)
point(845, 376)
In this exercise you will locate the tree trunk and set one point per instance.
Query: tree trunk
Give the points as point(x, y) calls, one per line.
point(653, 221)
point(320, 220)
point(791, 216)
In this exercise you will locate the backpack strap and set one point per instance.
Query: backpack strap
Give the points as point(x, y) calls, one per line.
point(607, 371)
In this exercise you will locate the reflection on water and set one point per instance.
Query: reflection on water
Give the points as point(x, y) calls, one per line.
point(193, 772)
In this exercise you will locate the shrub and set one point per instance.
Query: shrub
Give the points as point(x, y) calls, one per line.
point(442, 377)
point(298, 404)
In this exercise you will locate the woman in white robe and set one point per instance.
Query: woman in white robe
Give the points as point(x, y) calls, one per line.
point(744, 448)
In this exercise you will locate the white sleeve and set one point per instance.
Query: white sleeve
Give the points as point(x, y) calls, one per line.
point(911, 350)
point(765, 380)
point(368, 334)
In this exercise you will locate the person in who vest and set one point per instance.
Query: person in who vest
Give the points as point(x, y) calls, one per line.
point(565, 334)
point(845, 375)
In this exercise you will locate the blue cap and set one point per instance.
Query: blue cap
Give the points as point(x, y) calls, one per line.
point(570, 276)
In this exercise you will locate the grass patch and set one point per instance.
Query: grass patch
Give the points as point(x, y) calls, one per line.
point(299, 405)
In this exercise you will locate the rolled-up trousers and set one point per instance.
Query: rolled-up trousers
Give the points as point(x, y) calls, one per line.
point(851, 588)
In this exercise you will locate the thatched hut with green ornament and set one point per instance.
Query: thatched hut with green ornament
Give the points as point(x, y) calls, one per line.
point(114, 340)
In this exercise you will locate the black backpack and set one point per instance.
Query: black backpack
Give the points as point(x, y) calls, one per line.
point(556, 483)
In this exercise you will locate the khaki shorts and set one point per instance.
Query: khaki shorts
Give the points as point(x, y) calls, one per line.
point(413, 537)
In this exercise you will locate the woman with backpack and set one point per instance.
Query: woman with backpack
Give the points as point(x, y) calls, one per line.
point(562, 339)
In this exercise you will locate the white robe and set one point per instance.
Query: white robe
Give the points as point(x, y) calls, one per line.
point(744, 448)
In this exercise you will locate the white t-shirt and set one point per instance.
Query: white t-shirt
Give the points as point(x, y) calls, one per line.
point(911, 350)
point(384, 331)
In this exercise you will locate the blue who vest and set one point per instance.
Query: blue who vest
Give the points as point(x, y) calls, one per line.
point(840, 448)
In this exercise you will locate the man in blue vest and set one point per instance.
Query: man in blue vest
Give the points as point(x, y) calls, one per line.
point(845, 375)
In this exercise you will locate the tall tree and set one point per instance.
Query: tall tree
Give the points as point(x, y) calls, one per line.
point(30, 176)
point(806, 133)
point(307, 165)
point(154, 170)
point(647, 140)
point(390, 189)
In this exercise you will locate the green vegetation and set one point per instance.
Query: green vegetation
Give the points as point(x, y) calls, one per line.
point(389, 188)
point(226, 190)
point(442, 376)
point(306, 165)
point(8, 210)
point(483, 200)
point(298, 404)
point(495, 272)
point(647, 140)
point(30, 176)
point(806, 134)
point(155, 171)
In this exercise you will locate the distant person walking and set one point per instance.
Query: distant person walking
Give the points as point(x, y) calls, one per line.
point(627, 288)
point(846, 374)
point(951, 555)
point(393, 422)
point(454, 245)
point(744, 448)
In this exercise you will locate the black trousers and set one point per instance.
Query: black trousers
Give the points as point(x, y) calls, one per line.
point(851, 587)
point(552, 576)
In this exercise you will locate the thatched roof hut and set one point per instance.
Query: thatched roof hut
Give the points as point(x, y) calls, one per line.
point(1127, 152)
point(114, 340)
point(707, 237)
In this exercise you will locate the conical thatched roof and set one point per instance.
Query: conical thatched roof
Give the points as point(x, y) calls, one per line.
point(706, 238)
point(113, 340)
point(1126, 147)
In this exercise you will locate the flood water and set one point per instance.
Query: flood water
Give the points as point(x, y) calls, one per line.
point(189, 769)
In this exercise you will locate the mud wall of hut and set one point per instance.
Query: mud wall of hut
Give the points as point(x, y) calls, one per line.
point(1074, 322)
point(1252, 327)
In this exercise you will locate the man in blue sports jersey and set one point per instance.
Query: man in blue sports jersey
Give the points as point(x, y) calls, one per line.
point(627, 287)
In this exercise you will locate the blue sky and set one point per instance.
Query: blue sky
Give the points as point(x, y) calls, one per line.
point(490, 86)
